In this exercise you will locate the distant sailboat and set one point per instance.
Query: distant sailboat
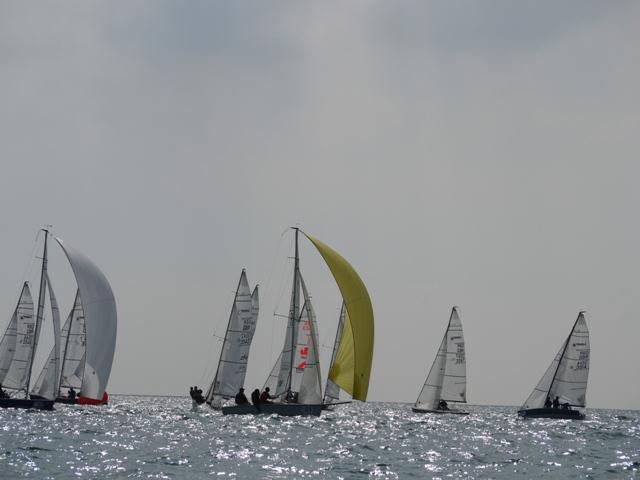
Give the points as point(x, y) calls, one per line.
point(99, 324)
point(234, 355)
point(295, 379)
point(564, 384)
point(447, 379)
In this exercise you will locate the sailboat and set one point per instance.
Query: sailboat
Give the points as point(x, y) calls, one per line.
point(95, 304)
point(564, 384)
point(295, 379)
point(447, 379)
point(234, 355)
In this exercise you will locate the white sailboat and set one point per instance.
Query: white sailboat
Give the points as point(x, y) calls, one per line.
point(234, 355)
point(564, 384)
point(18, 346)
point(295, 379)
point(331, 389)
point(447, 379)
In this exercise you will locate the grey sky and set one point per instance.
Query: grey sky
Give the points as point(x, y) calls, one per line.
point(482, 154)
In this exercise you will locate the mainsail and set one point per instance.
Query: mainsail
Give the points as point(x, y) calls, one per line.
point(17, 343)
point(447, 378)
point(568, 373)
point(234, 355)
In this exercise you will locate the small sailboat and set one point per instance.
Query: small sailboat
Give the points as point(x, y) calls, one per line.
point(564, 384)
point(89, 355)
point(295, 379)
point(234, 355)
point(447, 379)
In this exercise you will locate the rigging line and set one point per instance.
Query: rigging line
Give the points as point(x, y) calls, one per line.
point(27, 270)
point(282, 287)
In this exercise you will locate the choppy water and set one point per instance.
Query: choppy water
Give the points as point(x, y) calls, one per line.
point(159, 437)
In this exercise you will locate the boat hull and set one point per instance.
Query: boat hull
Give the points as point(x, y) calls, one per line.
point(284, 409)
point(37, 403)
point(452, 412)
point(557, 413)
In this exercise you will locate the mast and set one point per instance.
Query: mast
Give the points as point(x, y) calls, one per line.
point(295, 301)
point(40, 310)
point(564, 349)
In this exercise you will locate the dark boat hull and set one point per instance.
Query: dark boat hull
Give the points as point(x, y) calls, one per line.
point(452, 412)
point(65, 400)
point(37, 403)
point(285, 409)
point(557, 413)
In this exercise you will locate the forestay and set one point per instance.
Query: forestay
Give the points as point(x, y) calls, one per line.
point(568, 374)
point(100, 320)
point(17, 343)
point(234, 355)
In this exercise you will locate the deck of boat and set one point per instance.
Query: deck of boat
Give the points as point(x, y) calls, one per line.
point(285, 409)
point(39, 403)
point(557, 413)
point(452, 411)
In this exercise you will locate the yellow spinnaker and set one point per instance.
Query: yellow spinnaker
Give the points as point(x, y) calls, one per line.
point(356, 345)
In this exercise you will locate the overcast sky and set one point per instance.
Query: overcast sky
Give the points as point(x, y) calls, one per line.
point(479, 154)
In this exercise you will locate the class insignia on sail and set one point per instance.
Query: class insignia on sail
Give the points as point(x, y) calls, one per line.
point(295, 381)
point(447, 379)
point(83, 350)
point(563, 387)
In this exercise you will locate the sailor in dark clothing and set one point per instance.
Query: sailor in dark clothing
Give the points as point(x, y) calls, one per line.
point(241, 398)
point(196, 395)
point(71, 393)
point(547, 402)
point(255, 397)
point(556, 402)
point(3, 394)
point(442, 405)
point(266, 397)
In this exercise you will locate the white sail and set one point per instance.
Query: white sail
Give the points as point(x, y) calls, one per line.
point(454, 381)
point(331, 390)
point(310, 390)
point(74, 343)
point(100, 320)
point(46, 385)
point(17, 342)
point(430, 394)
point(568, 374)
point(234, 355)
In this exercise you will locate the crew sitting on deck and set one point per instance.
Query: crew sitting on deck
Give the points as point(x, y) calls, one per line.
point(255, 397)
point(556, 402)
point(3, 394)
point(442, 405)
point(566, 406)
point(241, 398)
point(196, 394)
point(547, 402)
point(71, 393)
point(266, 397)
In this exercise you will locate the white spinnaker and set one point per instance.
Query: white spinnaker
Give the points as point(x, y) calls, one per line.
point(74, 347)
point(568, 374)
point(234, 355)
point(430, 394)
point(46, 385)
point(310, 390)
point(454, 381)
point(100, 319)
point(23, 318)
point(331, 390)
point(15, 346)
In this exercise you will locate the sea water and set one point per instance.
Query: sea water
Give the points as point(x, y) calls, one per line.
point(160, 437)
